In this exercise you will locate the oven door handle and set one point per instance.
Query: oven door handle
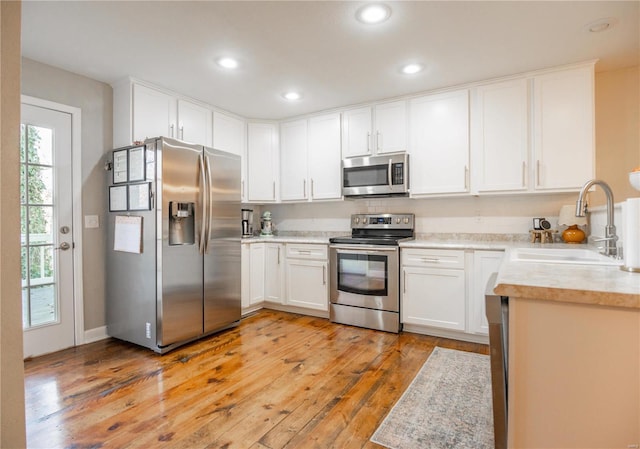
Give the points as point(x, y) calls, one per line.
point(363, 249)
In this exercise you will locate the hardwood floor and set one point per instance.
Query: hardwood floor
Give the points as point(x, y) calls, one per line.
point(278, 380)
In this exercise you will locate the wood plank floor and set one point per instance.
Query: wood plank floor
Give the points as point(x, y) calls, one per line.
point(278, 380)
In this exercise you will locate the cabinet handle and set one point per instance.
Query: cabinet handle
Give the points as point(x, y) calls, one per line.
point(524, 174)
point(181, 132)
point(466, 177)
point(324, 276)
point(308, 253)
point(304, 188)
point(278, 255)
point(378, 139)
point(242, 189)
point(274, 190)
point(538, 173)
point(404, 281)
point(368, 142)
point(171, 130)
point(430, 259)
point(311, 188)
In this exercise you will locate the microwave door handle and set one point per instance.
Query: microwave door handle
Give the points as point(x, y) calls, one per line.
point(389, 173)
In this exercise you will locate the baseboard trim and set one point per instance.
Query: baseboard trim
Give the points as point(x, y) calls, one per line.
point(95, 334)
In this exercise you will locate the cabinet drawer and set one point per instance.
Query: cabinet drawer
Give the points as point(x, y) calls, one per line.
point(307, 251)
point(437, 258)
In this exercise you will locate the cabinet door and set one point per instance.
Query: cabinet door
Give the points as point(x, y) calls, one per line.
point(325, 169)
point(194, 123)
point(229, 135)
point(307, 284)
point(293, 160)
point(261, 161)
point(391, 127)
point(440, 143)
point(501, 136)
point(563, 129)
point(245, 275)
point(154, 113)
point(485, 263)
point(274, 272)
point(256, 287)
point(433, 297)
point(356, 132)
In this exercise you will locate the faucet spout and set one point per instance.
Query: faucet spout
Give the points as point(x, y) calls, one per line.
point(610, 230)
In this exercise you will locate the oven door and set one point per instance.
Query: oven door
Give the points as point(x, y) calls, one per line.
point(365, 276)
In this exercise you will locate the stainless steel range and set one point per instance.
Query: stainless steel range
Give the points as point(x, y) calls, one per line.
point(365, 271)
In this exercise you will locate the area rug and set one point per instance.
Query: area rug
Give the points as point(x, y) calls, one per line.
point(448, 405)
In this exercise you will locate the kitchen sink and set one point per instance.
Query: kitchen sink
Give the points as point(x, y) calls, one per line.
point(562, 255)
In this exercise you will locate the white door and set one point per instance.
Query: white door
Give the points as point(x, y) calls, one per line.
point(46, 230)
point(325, 174)
point(391, 127)
point(293, 161)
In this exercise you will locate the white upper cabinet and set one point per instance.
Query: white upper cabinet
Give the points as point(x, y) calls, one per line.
point(154, 114)
point(325, 175)
point(439, 145)
point(194, 123)
point(310, 159)
point(360, 137)
point(563, 138)
point(262, 162)
point(356, 132)
point(293, 161)
point(391, 127)
point(229, 134)
point(500, 143)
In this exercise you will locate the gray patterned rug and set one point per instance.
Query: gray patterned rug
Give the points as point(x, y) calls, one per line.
point(448, 405)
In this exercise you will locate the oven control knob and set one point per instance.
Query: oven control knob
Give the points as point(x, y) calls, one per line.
point(357, 220)
point(398, 220)
point(406, 220)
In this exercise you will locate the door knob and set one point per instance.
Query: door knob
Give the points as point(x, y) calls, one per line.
point(64, 230)
point(63, 246)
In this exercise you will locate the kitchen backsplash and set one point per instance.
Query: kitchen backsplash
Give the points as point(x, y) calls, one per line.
point(469, 215)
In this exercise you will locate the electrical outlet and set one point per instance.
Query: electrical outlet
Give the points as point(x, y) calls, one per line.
point(91, 221)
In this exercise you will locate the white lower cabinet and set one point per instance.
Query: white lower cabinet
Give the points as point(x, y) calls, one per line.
point(256, 279)
point(307, 276)
point(274, 273)
point(442, 291)
point(245, 275)
point(431, 295)
point(485, 263)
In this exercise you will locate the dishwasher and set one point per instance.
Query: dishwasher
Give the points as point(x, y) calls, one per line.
point(497, 310)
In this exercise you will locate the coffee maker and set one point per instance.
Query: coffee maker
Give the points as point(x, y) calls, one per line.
point(247, 222)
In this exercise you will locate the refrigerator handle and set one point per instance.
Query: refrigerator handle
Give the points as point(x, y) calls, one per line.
point(209, 188)
point(204, 194)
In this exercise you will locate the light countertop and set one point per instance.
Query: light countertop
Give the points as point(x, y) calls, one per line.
point(574, 283)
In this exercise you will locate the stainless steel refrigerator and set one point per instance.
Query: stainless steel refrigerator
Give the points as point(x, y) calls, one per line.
point(173, 264)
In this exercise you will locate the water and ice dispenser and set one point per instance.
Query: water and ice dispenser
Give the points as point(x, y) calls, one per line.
point(181, 223)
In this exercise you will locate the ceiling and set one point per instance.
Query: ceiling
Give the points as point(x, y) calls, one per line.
point(318, 47)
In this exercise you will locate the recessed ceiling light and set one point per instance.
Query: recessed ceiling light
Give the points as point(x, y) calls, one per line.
point(601, 25)
point(228, 63)
point(373, 13)
point(410, 69)
point(292, 96)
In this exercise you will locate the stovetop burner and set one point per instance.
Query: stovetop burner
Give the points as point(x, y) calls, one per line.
point(381, 229)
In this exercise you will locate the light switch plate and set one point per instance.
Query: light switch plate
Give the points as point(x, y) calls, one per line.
point(91, 221)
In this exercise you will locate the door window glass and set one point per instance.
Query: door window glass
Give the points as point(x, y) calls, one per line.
point(39, 301)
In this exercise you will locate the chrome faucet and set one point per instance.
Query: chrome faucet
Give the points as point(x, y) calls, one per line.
point(610, 237)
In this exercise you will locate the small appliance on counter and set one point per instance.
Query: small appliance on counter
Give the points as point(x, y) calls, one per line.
point(265, 225)
point(247, 222)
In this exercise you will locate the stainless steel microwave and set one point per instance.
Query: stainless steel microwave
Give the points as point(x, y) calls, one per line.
point(386, 175)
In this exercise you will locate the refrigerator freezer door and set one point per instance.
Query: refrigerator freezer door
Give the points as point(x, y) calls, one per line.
point(222, 305)
point(179, 266)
